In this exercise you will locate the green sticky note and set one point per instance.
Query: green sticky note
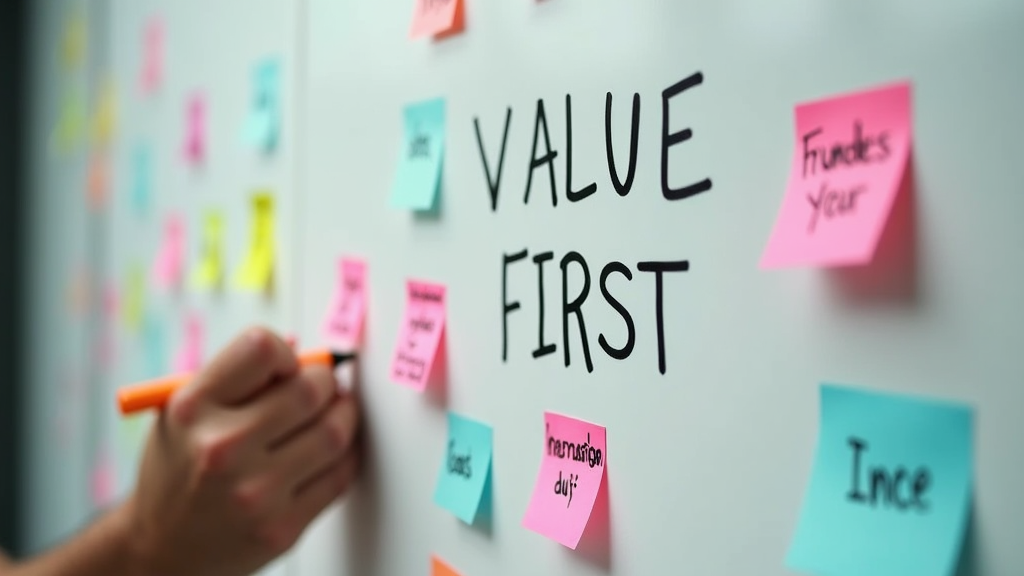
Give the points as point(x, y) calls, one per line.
point(890, 489)
point(465, 468)
point(421, 156)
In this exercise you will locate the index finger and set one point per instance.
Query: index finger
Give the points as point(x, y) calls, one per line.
point(251, 362)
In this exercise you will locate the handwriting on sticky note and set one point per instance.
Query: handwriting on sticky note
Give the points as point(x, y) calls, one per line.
point(262, 126)
point(346, 315)
point(465, 468)
point(571, 474)
point(848, 166)
point(152, 56)
point(421, 157)
point(437, 18)
point(420, 335)
point(195, 129)
point(209, 272)
point(169, 263)
point(438, 567)
point(890, 487)
point(257, 271)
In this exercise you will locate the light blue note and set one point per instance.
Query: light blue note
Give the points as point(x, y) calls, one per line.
point(264, 123)
point(421, 156)
point(465, 467)
point(142, 177)
point(890, 489)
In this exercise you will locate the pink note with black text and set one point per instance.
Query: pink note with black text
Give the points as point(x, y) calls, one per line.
point(345, 317)
point(850, 156)
point(419, 338)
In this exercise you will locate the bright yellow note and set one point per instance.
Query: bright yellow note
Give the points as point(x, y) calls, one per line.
point(257, 271)
point(72, 48)
point(134, 296)
point(104, 119)
point(209, 272)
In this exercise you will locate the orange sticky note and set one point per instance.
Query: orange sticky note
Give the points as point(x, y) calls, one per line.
point(438, 18)
point(570, 478)
point(169, 265)
point(420, 335)
point(848, 166)
point(345, 317)
point(439, 568)
point(99, 180)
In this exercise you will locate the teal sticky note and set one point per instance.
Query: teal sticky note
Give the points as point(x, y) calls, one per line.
point(890, 489)
point(142, 177)
point(465, 467)
point(421, 156)
point(262, 128)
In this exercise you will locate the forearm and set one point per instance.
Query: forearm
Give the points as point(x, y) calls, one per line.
point(102, 549)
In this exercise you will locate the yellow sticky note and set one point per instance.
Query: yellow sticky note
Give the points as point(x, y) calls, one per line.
point(257, 271)
point(134, 296)
point(70, 124)
point(104, 119)
point(72, 48)
point(209, 272)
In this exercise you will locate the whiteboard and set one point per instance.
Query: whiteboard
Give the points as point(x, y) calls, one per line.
point(708, 460)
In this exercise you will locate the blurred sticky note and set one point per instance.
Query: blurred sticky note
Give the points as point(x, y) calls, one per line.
point(263, 125)
point(437, 18)
point(152, 70)
point(98, 180)
point(208, 273)
point(570, 478)
point(189, 357)
point(421, 157)
point(170, 260)
point(154, 346)
point(142, 177)
point(73, 41)
point(890, 489)
point(420, 335)
point(195, 129)
point(104, 119)
point(134, 297)
point(438, 567)
point(851, 152)
point(465, 468)
point(70, 127)
point(347, 312)
point(102, 482)
point(257, 270)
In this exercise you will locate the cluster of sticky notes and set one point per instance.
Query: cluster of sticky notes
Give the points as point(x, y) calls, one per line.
point(437, 18)
point(851, 152)
point(420, 336)
point(463, 482)
point(257, 270)
point(262, 126)
point(346, 315)
point(890, 489)
point(421, 157)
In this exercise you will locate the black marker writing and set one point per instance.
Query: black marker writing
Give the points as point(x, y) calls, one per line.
point(419, 147)
point(887, 485)
point(458, 464)
point(565, 487)
point(862, 150)
point(583, 453)
point(832, 203)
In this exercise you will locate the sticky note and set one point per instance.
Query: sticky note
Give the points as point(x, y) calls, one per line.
point(102, 482)
point(70, 127)
point(104, 120)
point(142, 177)
point(195, 129)
point(570, 478)
point(438, 18)
point(189, 357)
point(465, 467)
point(154, 346)
point(438, 567)
point(169, 264)
point(134, 297)
point(848, 164)
point(152, 70)
point(343, 323)
point(78, 292)
point(98, 180)
point(263, 125)
point(890, 488)
point(420, 335)
point(209, 271)
point(257, 270)
point(73, 42)
point(421, 157)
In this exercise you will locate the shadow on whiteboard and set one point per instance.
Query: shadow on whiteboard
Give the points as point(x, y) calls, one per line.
point(363, 511)
point(892, 276)
point(595, 547)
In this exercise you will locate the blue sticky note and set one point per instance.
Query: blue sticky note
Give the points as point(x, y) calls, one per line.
point(263, 125)
point(465, 467)
point(890, 489)
point(142, 177)
point(421, 156)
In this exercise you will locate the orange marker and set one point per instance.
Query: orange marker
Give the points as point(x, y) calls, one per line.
point(156, 393)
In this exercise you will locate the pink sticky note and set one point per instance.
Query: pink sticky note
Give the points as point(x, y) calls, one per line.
point(195, 129)
point(420, 334)
point(437, 18)
point(571, 473)
point(152, 56)
point(190, 356)
point(102, 482)
point(851, 153)
point(344, 321)
point(169, 264)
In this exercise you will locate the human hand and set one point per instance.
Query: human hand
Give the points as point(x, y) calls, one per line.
point(239, 463)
